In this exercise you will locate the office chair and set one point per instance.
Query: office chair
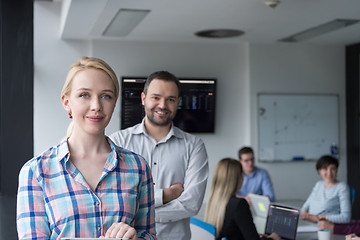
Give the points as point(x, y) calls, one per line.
point(352, 194)
point(201, 230)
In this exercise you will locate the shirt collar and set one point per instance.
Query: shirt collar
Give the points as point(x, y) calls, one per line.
point(174, 131)
point(115, 154)
point(64, 153)
point(253, 173)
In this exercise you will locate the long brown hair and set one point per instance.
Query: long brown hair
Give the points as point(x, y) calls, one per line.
point(227, 180)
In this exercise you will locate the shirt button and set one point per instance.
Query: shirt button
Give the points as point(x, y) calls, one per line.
point(154, 163)
point(98, 228)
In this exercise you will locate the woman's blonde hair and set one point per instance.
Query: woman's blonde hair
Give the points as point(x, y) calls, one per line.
point(87, 63)
point(227, 180)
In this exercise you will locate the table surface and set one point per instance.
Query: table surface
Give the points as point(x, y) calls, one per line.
point(313, 236)
point(299, 235)
point(306, 235)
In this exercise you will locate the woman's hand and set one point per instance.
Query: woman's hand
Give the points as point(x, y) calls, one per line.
point(325, 224)
point(304, 215)
point(274, 236)
point(351, 236)
point(310, 217)
point(121, 230)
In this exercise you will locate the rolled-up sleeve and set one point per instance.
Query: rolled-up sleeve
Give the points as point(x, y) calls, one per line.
point(145, 225)
point(31, 220)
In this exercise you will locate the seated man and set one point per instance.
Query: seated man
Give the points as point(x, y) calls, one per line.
point(256, 180)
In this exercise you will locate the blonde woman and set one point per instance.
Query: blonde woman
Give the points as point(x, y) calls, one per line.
point(230, 215)
point(86, 187)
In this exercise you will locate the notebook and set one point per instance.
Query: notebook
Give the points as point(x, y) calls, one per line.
point(259, 208)
point(283, 220)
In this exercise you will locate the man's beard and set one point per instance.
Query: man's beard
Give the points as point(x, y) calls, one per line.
point(163, 122)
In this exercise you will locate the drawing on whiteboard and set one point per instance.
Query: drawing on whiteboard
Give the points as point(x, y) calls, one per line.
point(296, 127)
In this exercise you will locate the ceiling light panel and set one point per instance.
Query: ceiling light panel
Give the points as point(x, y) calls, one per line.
point(124, 22)
point(319, 30)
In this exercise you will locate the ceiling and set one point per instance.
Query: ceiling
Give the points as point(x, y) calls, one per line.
point(177, 21)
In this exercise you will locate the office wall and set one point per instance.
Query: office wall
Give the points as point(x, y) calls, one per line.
point(297, 68)
point(52, 58)
point(239, 69)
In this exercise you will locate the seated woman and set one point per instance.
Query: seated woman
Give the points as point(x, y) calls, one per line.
point(329, 199)
point(230, 215)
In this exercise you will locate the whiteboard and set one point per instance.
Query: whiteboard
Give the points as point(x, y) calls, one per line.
point(297, 126)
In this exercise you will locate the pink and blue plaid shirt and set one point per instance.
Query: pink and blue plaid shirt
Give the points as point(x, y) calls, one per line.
point(54, 200)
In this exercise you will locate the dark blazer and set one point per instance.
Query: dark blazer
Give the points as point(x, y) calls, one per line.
point(238, 222)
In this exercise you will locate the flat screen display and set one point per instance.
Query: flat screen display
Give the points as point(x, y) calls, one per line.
point(196, 110)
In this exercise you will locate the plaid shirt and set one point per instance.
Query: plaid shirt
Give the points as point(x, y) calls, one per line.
point(54, 200)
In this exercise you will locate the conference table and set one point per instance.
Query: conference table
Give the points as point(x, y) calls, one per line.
point(302, 235)
point(313, 236)
point(306, 230)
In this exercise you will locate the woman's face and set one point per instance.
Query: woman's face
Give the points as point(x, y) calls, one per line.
point(91, 101)
point(328, 173)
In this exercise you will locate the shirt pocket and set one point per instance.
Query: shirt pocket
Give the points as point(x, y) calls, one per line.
point(121, 208)
point(65, 207)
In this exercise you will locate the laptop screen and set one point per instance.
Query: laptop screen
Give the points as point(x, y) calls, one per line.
point(282, 220)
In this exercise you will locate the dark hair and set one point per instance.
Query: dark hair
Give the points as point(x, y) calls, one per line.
point(325, 161)
point(162, 75)
point(245, 150)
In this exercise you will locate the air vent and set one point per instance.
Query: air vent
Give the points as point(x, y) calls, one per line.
point(219, 33)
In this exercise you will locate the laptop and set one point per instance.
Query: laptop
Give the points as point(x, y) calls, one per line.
point(283, 220)
point(259, 208)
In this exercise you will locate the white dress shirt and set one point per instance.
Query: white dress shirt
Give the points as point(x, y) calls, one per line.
point(178, 158)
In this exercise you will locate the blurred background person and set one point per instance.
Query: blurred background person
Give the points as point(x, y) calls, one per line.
point(256, 180)
point(329, 199)
point(229, 214)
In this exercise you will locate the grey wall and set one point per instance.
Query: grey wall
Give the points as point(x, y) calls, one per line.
point(294, 68)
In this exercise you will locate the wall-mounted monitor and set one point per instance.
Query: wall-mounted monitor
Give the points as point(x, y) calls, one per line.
point(196, 111)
